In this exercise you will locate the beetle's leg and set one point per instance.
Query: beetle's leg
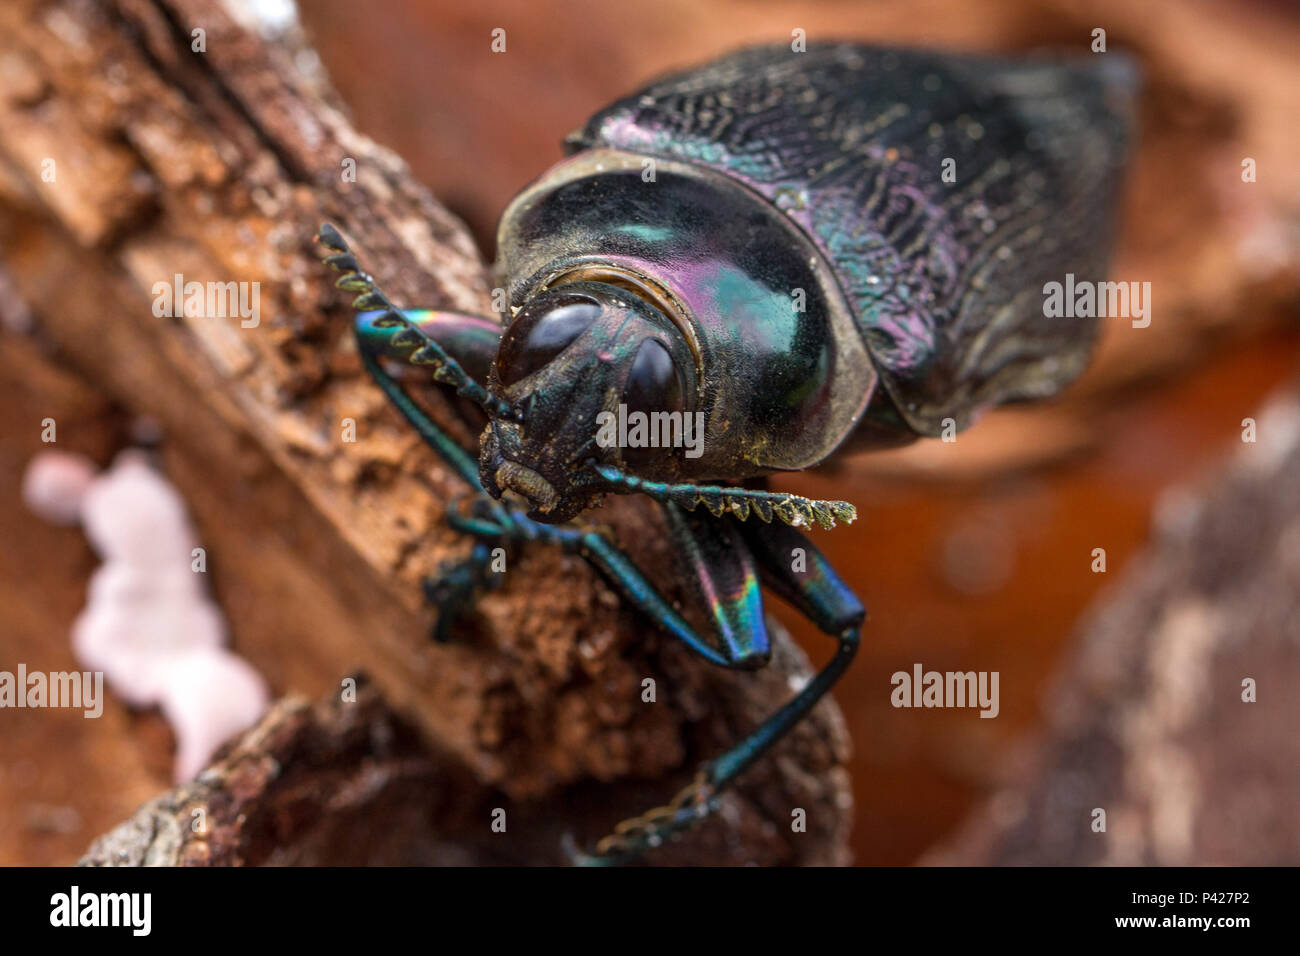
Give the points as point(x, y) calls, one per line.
point(454, 588)
point(725, 560)
point(469, 333)
point(457, 458)
point(514, 525)
point(472, 341)
point(821, 595)
point(818, 592)
point(721, 573)
point(473, 338)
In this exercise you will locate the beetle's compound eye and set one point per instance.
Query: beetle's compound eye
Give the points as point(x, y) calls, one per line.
point(541, 331)
point(654, 385)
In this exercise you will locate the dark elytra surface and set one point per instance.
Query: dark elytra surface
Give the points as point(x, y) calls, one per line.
point(946, 277)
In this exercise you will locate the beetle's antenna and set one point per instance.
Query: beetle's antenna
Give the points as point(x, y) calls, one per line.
point(427, 351)
point(742, 502)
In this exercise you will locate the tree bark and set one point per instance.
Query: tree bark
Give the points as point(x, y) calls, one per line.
point(132, 156)
point(332, 784)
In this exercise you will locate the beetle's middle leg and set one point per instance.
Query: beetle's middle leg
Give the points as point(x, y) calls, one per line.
point(722, 554)
point(725, 558)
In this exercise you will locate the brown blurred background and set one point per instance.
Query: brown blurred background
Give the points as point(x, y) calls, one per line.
point(970, 556)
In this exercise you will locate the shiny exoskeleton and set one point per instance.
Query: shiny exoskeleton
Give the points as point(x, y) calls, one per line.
point(807, 251)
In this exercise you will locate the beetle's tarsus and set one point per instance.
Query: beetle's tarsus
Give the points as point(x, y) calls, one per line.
point(453, 590)
point(649, 830)
point(580, 857)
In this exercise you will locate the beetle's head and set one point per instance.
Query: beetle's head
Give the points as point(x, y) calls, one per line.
point(570, 358)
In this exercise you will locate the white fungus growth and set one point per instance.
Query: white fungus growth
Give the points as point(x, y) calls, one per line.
point(149, 623)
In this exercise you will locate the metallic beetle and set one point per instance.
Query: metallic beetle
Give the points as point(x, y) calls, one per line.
point(810, 252)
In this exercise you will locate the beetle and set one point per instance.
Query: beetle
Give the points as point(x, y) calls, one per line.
point(807, 252)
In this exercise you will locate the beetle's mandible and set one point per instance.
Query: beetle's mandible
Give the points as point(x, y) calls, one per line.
point(803, 252)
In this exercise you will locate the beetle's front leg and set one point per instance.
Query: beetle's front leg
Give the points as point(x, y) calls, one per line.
point(380, 342)
point(452, 347)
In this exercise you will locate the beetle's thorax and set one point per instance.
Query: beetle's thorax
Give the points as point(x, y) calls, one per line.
point(782, 372)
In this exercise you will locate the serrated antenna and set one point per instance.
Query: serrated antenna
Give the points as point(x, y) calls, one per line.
point(425, 350)
point(743, 503)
